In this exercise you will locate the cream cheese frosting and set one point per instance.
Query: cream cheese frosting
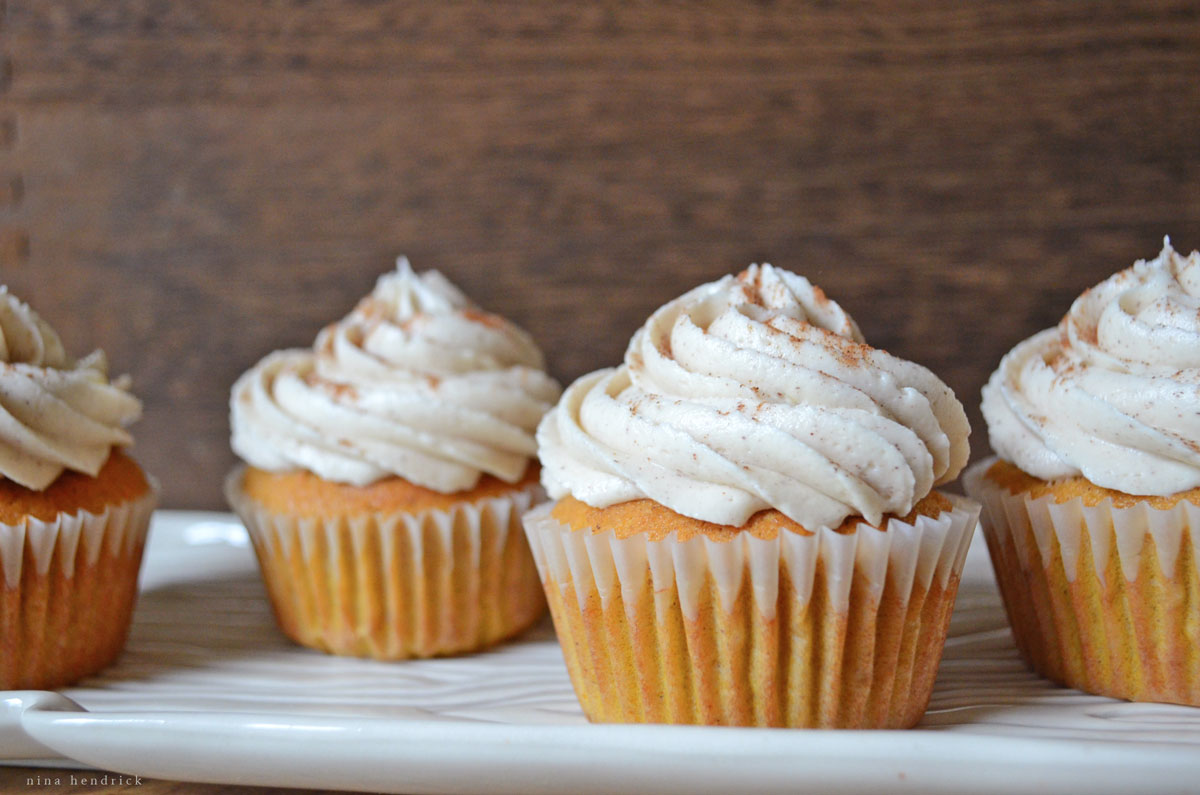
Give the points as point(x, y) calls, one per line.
point(55, 413)
point(755, 392)
point(415, 382)
point(1113, 392)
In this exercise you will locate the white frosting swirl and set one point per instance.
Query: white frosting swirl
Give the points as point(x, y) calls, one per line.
point(750, 393)
point(416, 382)
point(55, 413)
point(1112, 393)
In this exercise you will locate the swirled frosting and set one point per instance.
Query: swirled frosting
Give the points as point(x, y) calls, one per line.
point(416, 381)
point(1112, 393)
point(755, 392)
point(55, 413)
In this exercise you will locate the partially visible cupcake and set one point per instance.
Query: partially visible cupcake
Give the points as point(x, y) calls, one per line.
point(388, 468)
point(74, 509)
point(1093, 507)
point(745, 530)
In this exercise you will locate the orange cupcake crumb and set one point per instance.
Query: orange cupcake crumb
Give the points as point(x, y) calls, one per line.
point(1016, 481)
point(647, 516)
point(119, 480)
point(301, 493)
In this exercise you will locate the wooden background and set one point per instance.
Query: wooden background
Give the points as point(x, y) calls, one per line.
point(191, 185)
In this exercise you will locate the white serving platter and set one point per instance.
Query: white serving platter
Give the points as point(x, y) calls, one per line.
point(209, 690)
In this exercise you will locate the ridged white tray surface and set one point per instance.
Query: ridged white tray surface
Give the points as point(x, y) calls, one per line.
point(209, 690)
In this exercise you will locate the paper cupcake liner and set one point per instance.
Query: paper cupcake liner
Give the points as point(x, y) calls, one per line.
point(1100, 598)
point(398, 585)
point(70, 585)
point(823, 630)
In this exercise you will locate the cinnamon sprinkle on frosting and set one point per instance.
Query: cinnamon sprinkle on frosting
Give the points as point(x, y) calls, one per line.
point(755, 392)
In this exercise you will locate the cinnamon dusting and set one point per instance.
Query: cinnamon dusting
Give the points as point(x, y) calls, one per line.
point(336, 390)
point(483, 318)
point(820, 297)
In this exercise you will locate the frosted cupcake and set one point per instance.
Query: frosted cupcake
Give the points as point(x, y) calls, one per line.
point(74, 509)
point(745, 530)
point(1092, 507)
point(388, 468)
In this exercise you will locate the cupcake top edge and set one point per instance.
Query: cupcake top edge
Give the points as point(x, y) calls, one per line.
point(416, 382)
point(752, 392)
point(1112, 393)
point(56, 413)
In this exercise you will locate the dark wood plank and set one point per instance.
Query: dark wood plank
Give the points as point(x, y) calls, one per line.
point(198, 184)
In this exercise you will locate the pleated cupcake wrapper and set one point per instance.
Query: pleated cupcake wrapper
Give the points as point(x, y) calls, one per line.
point(829, 629)
point(398, 585)
point(1100, 598)
point(70, 585)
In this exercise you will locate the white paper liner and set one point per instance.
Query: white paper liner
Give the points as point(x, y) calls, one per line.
point(119, 529)
point(906, 553)
point(278, 534)
point(276, 530)
point(1111, 530)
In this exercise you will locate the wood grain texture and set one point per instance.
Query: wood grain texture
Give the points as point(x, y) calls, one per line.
point(192, 185)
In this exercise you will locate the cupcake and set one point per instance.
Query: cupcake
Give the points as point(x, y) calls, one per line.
point(1092, 504)
point(744, 528)
point(74, 509)
point(387, 470)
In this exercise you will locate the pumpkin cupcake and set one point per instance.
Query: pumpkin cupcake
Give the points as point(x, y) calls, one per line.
point(74, 509)
point(387, 471)
point(745, 530)
point(1093, 505)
